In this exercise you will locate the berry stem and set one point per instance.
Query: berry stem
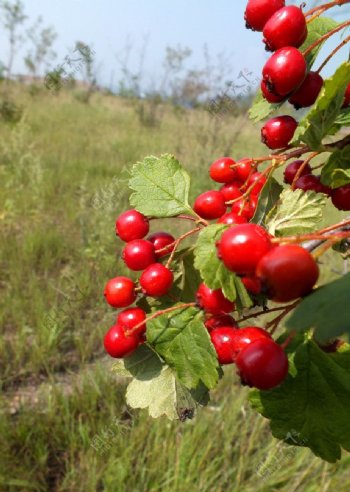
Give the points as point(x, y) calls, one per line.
point(287, 341)
point(302, 167)
point(325, 36)
point(322, 8)
point(330, 56)
point(259, 313)
point(178, 241)
point(273, 325)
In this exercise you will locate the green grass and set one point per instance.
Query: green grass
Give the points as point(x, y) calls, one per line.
point(63, 174)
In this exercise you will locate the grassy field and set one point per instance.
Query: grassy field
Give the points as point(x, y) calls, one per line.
point(64, 425)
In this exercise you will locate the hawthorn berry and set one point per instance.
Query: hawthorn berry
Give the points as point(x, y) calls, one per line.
point(258, 12)
point(259, 179)
point(269, 96)
point(262, 364)
point(310, 182)
point(156, 280)
point(244, 168)
point(232, 219)
point(346, 102)
point(117, 344)
point(246, 336)
point(308, 92)
point(231, 191)
point(284, 71)
point(161, 240)
point(131, 225)
point(287, 272)
point(292, 169)
point(120, 292)
point(245, 206)
point(241, 247)
point(213, 301)
point(139, 254)
point(341, 197)
point(210, 205)
point(129, 318)
point(286, 27)
point(221, 170)
point(222, 339)
point(278, 132)
point(252, 284)
point(219, 321)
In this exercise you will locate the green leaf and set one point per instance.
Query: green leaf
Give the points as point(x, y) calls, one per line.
point(243, 299)
point(317, 28)
point(183, 342)
point(160, 186)
point(327, 310)
point(336, 171)
point(311, 408)
point(261, 108)
point(268, 197)
point(319, 122)
point(297, 212)
point(343, 119)
point(190, 278)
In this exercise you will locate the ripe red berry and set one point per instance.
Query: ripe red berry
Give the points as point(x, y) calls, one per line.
point(346, 102)
point(309, 182)
point(286, 27)
point(139, 254)
point(231, 191)
point(252, 284)
point(219, 321)
point(258, 12)
point(292, 169)
point(308, 92)
point(278, 132)
point(245, 206)
point(213, 301)
point(210, 205)
point(269, 96)
point(243, 168)
point(287, 272)
point(245, 336)
point(156, 280)
point(117, 344)
point(120, 292)
point(262, 364)
point(259, 179)
point(241, 247)
point(132, 225)
point(284, 71)
point(160, 241)
point(221, 171)
point(129, 318)
point(222, 339)
point(232, 219)
point(341, 197)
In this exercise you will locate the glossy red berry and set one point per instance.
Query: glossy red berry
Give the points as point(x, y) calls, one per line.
point(231, 191)
point(132, 225)
point(245, 206)
point(139, 254)
point(119, 345)
point(156, 280)
point(160, 241)
point(286, 27)
point(346, 102)
point(222, 339)
point(252, 284)
point(221, 170)
point(284, 71)
point(210, 205)
point(269, 96)
point(245, 336)
point(262, 364)
point(219, 321)
point(341, 197)
point(213, 301)
point(309, 182)
point(308, 92)
point(287, 272)
point(258, 12)
point(244, 168)
point(259, 179)
point(129, 318)
point(232, 219)
point(292, 169)
point(278, 132)
point(241, 247)
point(120, 292)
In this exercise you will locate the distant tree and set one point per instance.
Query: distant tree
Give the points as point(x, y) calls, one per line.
point(13, 19)
point(42, 39)
point(87, 68)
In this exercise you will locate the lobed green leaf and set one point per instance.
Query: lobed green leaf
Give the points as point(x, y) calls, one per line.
point(336, 171)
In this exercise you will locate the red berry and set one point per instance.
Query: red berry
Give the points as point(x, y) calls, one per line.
point(259, 179)
point(210, 205)
point(129, 318)
point(292, 169)
point(220, 320)
point(139, 254)
point(156, 280)
point(241, 247)
point(309, 182)
point(287, 272)
point(269, 96)
point(341, 197)
point(232, 219)
point(262, 364)
point(284, 71)
point(286, 27)
point(308, 92)
point(346, 102)
point(222, 339)
point(160, 241)
point(245, 336)
point(230, 191)
point(132, 225)
point(221, 171)
point(243, 168)
point(258, 12)
point(278, 132)
point(245, 206)
point(117, 344)
point(120, 292)
point(213, 301)
point(252, 284)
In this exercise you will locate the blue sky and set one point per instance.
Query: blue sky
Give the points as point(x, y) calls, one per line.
point(108, 25)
